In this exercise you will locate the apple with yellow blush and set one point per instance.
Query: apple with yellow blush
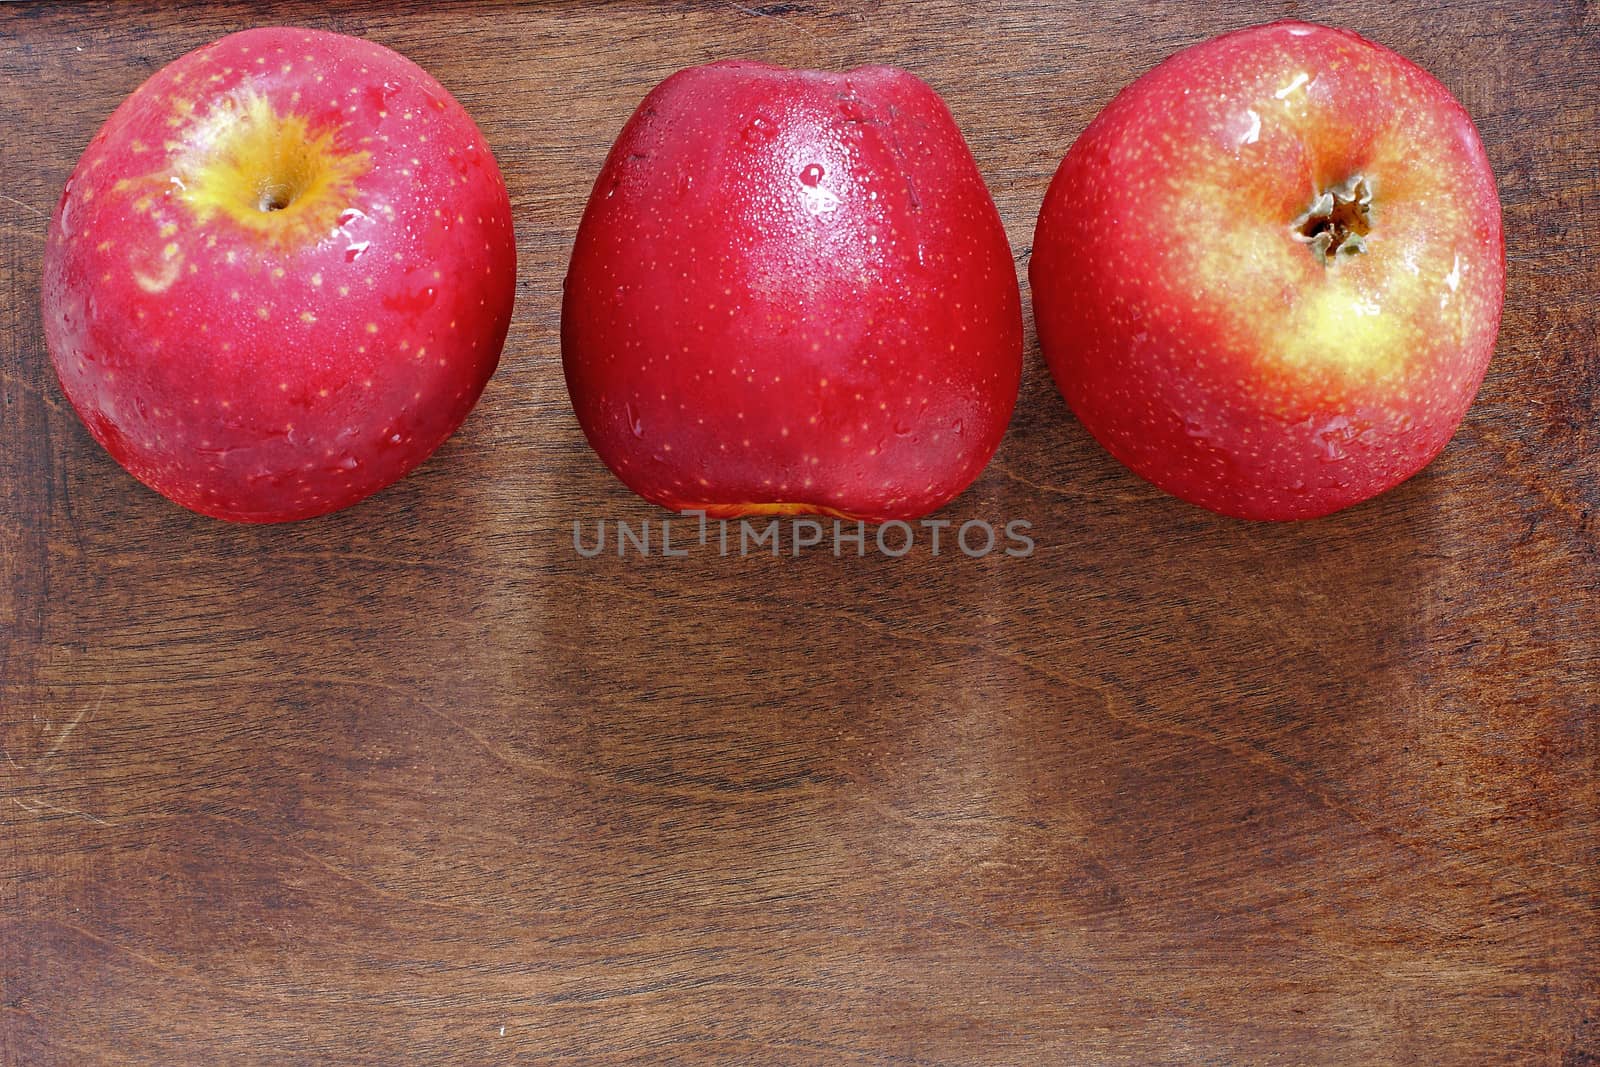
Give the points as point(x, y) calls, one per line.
point(1268, 277)
point(280, 275)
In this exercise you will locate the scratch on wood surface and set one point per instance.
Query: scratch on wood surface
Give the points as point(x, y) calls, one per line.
point(87, 713)
point(418, 563)
point(155, 963)
point(774, 15)
point(515, 761)
point(334, 869)
point(44, 393)
point(1240, 749)
point(1054, 490)
point(1563, 501)
point(24, 206)
point(45, 805)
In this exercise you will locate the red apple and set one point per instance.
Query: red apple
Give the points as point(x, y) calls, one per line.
point(280, 275)
point(791, 292)
point(1268, 277)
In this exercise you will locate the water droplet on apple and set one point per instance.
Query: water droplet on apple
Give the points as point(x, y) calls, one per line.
point(957, 427)
point(354, 252)
point(759, 130)
point(812, 174)
point(349, 215)
point(635, 425)
point(1249, 127)
point(1338, 434)
point(348, 463)
point(817, 201)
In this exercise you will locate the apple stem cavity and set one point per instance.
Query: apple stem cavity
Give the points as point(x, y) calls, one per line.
point(1337, 223)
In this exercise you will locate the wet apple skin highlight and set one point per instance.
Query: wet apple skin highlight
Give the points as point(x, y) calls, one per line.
point(791, 293)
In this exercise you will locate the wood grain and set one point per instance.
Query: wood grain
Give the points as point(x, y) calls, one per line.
point(414, 783)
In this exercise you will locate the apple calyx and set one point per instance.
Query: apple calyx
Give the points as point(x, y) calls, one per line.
point(1337, 222)
point(276, 174)
point(277, 195)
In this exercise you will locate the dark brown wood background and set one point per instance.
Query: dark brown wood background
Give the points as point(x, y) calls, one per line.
point(414, 783)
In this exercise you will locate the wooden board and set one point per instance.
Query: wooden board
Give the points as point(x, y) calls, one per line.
point(415, 783)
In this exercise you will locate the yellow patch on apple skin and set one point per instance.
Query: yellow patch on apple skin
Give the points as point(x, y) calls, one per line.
point(1334, 325)
point(1338, 326)
point(775, 508)
point(269, 172)
point(161, 279)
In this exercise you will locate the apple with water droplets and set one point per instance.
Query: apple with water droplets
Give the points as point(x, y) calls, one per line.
point(1268, 276)
point(280, 275)
point(791, 293)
